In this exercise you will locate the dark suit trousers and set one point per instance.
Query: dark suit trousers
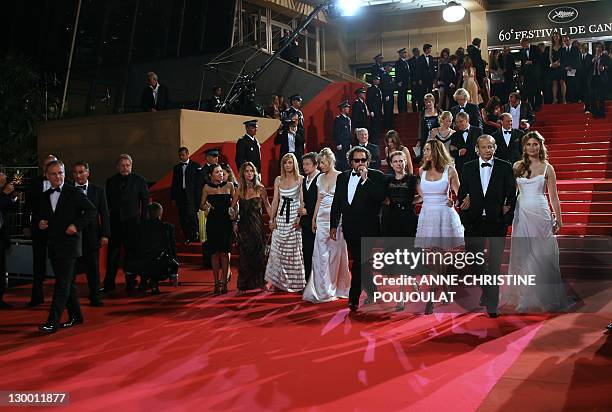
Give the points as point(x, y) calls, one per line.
point(361, 274)
point(415, 91)
point(39, 265)
point(308, 239)
point(341, 160)
point(65, 292)
point(402, 99)
point(2, 267)
point(375, 124)
point(599, 90)
point(123, 235)
point(91, 262)
point(188, 216)
point(476, 236)
point(388, 117)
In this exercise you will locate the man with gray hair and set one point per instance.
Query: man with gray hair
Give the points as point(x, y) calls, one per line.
point(462, 96)
point(362, 140)
point(154, 95)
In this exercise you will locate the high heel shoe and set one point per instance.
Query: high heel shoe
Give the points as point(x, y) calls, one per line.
point(429, 308)
point(217, 287)
point(224, 286)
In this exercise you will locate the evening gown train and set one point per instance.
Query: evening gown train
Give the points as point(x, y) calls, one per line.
point(330, 278)
point(534, 251)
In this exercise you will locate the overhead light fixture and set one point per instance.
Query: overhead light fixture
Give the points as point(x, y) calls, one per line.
point(453, 12)
point(349, 7)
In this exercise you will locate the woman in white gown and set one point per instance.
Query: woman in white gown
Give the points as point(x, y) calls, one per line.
point(330, 277)
point(534, 249)
point(439, 225)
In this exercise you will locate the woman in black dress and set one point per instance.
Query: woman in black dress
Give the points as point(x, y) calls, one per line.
point(217, 197)
point(429, 119)
point(556, 73)
point(252, 198)
point(399, 218)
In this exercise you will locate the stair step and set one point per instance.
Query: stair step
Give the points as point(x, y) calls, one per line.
point(586, 207)
point(568, 151)
point(586, 197)
point(571, 144)
point(570, 160)
point(582, 167)
point(591, 217)
point(584, 174)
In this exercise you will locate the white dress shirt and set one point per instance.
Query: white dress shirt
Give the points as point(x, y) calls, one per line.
point(485, 176)
point(465, 134)
point(352, 187)
point(309, 181)
point(54, 197)
point(516, 116)
point(507, 136)
point(184, 165)
point(155, 92)
point(85, 189)
point(291, 141)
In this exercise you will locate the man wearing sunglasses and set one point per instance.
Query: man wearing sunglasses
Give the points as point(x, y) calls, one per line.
point(357, 201)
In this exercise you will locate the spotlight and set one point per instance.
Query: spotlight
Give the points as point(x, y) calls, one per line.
point(453, 12)
point(349, 7)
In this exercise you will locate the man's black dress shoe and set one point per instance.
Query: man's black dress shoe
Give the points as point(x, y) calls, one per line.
point(493, 314)
point(73, 321)
point(34, 303)
point(48, 328)
point(609, 327)
point(107, 289)
point(4, 305)
point(353, 307)
point(155, 291)
point(96, 302)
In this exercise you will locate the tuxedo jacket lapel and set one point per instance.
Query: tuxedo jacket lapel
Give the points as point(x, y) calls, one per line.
point(494, 173)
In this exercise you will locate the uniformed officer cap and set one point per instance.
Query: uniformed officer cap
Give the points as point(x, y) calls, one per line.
point(295, 97)
point(376, 77)
point(212, 151)
point(378, 56)
point(343, 104)
point(403, 49)
point(250, 123)
point(360, 90)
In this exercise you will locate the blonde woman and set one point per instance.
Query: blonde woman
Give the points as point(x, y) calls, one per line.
point(534, 249)
point(443, 133)
point(330, 278)
point(285, 269)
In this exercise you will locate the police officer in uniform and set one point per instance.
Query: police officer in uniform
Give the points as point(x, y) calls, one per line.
point(387, 87)
point(374, 100)
point(377, 66)
point(360, 114)
point(247, 147)
point(295, 107)
point(342, 135)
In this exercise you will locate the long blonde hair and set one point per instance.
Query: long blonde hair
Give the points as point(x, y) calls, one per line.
point(243, 184)
point(439, 158)
point(523, 165)
point(296, 169)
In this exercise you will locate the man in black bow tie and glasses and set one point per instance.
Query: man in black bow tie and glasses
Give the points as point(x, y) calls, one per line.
point(487, 196)
point(63, 214)
point(357, 201)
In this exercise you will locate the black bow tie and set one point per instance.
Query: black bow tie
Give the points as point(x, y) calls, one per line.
point(354, 173)
point(184, 163)
point(57, 189)
point(507, 131)
point(82, 187)
point(485, 164)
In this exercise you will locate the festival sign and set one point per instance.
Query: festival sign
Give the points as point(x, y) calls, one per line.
point(587, 20)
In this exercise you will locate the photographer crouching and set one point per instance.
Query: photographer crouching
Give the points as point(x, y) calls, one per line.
point(156, 251)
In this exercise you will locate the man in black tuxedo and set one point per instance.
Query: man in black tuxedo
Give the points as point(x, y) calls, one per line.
point(570, 61)
point(357, 202)
point(342, 134)
point(530, 71)
point(463, 141)
point(387, 88)
point(448, 79)
point(583, 77)
point(508, 140)
point(63, 214)
point(310, 195)
point(374, 100)
point(402, 79)
point(7, 202)
point(96, 233)
point(363, 141)
point(416, 93)
point(487, 196)
point(186, 192)
point(247, 147)
point(154, 95)
point(462, 96)
point(35, 191)
point(473, 50)
point(360, 115)
point(290, 137)
point(522, 113)
point(425, 73)
point(128, 196)
point(154, 238)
